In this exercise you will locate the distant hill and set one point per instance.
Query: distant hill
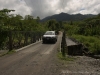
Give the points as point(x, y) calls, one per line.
point(67, 17)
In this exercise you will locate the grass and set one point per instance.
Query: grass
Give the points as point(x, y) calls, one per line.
point(66, 58)
point(92, 42)
point(9, 52)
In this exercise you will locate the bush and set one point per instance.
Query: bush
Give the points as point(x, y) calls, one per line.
point(93, 43)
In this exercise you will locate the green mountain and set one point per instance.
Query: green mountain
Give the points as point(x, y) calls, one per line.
point(68, 17)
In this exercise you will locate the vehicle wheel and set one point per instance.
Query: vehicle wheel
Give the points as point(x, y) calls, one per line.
point(56, 40)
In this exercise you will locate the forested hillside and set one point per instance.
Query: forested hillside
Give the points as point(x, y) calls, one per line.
point(86, 31)
point(68, 17)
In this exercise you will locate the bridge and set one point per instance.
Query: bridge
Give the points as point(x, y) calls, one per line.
point(39, 59)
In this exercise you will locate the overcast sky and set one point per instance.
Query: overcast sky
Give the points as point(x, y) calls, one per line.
point(44, 8)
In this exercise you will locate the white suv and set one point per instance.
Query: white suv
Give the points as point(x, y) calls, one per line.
point(49, 36)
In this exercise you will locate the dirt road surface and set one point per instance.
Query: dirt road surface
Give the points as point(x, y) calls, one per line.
point(70, 42)
point(41, 59)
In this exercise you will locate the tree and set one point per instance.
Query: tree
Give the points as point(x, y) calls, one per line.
point(51, 24)
point(38, 19)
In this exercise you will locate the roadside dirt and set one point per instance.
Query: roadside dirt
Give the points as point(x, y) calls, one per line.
point(81, 65)
point(2, 52)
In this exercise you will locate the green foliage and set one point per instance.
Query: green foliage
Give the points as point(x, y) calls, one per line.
point(93, 43)
point(64, 58)
point(70, 29)
point(86, 27)
point(7, 52)
point(11, 22)
point(11, 52)
point(19, 23)
point(53, 25)
point(86, 31)
point(3, 38)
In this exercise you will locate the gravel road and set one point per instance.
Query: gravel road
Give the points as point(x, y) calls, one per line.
point(41, 59)
point(82, 65)
point(70, 42)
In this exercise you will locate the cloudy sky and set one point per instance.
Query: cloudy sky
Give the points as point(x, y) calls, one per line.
point(43, 8)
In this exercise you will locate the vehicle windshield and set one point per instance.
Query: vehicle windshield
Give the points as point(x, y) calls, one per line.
point(49, 33)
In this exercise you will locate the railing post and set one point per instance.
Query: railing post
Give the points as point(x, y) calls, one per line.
point(10, 41)
point(34, 37)
point(63, 43)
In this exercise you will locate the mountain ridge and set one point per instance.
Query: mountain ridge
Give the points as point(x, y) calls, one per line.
point(67, 17)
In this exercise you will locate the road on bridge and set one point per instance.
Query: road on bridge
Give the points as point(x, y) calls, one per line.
point(39, 59)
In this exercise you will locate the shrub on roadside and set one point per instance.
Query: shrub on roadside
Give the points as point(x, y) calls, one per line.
point(93, 43)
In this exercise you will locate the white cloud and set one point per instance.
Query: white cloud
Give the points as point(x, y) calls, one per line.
point(43, 8)
point(19, 6)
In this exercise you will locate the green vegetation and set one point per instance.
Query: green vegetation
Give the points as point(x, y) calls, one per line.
point(86, 31)
point(13, 22)
point(18, 29)
point(68, 17)
point(93, 43)
point(9, 52)
point(66, 58)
